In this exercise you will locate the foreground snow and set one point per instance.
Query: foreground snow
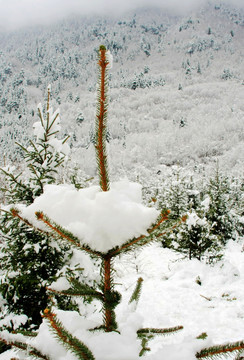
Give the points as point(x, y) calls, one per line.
point(200, 297)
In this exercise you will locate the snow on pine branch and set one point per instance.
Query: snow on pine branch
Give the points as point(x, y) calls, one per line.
point(101, 220)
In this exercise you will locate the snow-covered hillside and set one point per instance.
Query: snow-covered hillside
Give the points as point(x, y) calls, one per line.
point(176, 86)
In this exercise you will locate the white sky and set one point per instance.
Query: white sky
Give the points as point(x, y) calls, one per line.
point(17, 13)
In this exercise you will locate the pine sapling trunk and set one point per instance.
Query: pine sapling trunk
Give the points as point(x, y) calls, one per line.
point(101, 117)
point(108, 312)
point(109, 296)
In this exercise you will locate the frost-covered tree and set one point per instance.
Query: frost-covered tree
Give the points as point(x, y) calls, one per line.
point(43, 157)
point(30, 259)
point(196, 238)
point(219, 212)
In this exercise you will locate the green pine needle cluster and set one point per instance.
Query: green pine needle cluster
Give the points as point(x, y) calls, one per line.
point(220, 351)
point(158, 331)
point(70, 342)
point(137, 291)
point(147, 334)
point(33, 352)
point(202, 336)
point(63, 234)
point(80, 289)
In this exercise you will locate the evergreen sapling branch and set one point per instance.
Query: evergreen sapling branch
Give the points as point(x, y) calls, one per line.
point(73, 344)
point(137, 291)
point(30, 350)
point(147, 334)
point(64, 234)
point(218, 351)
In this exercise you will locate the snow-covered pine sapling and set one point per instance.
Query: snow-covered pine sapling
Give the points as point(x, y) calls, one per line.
point(30, 259)
point(108, 296)
point(117, 223)
point(48, 152)
point(43, 157)
point(219, 212)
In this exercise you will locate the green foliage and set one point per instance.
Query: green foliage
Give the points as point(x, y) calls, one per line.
point(147, 334)
point(29, 262)
point(81, 289)
point(16, 188)
point(76, 346)
point(137, 291)
point(220, 351)
point(112, 298)
point(3, 347)
point(163, 331)
point(194, 238)
point(219, 212)
point(176, 195)
point(42, 160)
point(29, 258)
point(202, 336)
point(34, 353)
point(144, 345)
point(211, 217)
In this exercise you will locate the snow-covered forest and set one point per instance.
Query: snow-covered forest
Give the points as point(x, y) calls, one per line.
point(122, 193)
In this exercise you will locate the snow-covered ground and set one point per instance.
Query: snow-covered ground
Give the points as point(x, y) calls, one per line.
point(202, 298)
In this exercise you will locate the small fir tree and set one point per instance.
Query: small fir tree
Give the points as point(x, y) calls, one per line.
point(43, 158)
point(219, 212)
point(195, 238)
point(176, 196)
point(30, 259)
point(104, 292)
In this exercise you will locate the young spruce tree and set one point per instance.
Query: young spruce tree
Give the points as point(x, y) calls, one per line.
point(30, 259)
point(105, 291)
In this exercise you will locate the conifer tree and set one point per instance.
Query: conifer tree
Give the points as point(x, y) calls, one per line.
point(30, 259)
point(195, 238)
point(219, 212)
point(104, 292)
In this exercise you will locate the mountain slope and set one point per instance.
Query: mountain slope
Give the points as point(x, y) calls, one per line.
point(177, 85)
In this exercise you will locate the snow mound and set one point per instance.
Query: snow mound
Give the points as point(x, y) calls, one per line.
point(102, 220)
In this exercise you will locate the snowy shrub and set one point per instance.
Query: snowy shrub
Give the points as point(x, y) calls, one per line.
point(220, 213)
point(210, 222)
